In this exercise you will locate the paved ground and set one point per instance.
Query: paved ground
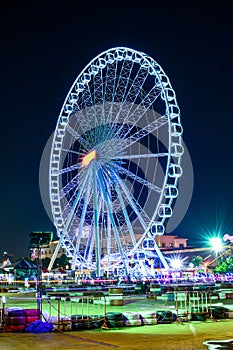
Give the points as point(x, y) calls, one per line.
point(186, 336)
point(175, 336)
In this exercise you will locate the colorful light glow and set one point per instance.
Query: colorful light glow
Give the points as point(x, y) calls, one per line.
point(227, 237)
point(176, 263)
point(216, 244)
point(88, 158)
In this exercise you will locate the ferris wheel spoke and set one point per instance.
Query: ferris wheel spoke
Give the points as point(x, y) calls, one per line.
point(98, 88)
point(87, 122)
point(143, 132)
point(78, 195)
point(111, 91)
point(109, 226)
point(90, 248)
point(100, 206)
point(68, 169)
point(138, 156)
point(86, 108)
point(143, 214)
point(137, 85)
point(84, 143)
point(70, 185)
point(109, 82)
point(108, 205)
point(131, 201)
point(84, 211)
point(108, 235)
point(123, 207)
point(88, 103)
point(98, 97)
point(131, 96)
point(120, 92)
point(86, 99)
point(133, 117)
point(129, 226)
point(72, 151)
point(137, 178)
point(84, 122)
point(96, 219)
point(67, 206)
point(123, 81)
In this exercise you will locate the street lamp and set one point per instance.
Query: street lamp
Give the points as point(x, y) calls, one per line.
point(217, 246)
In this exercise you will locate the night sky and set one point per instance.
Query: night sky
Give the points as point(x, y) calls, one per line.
point(46, 44)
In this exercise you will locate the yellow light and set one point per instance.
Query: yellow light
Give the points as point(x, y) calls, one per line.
point(88, 158)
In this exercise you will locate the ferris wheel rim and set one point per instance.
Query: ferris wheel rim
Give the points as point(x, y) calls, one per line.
point(152, 63)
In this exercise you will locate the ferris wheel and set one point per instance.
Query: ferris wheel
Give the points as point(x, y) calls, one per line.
point(115, 161)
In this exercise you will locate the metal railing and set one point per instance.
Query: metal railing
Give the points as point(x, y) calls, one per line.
point(62, 312)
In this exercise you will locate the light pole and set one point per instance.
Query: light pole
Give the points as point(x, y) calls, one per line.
point(39, 240)
point(216, 244)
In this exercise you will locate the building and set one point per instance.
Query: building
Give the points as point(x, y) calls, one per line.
point(47, 252)
point(164, 242)
point(24, 268)
point(171, 242)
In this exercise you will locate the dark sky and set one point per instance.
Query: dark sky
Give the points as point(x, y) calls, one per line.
point(46, 44)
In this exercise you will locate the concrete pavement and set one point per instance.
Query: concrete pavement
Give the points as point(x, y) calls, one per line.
point(176, 336)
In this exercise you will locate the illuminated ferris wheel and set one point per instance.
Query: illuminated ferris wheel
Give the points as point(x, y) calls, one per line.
point(115, 162)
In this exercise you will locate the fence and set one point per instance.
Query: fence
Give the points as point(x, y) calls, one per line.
point(89, 309)
point(198, 304)
point(64, 313)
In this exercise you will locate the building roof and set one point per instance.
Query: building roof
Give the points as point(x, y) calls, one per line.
point(24, 264)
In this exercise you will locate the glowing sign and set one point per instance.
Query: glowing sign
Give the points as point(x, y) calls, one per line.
point(88, 158)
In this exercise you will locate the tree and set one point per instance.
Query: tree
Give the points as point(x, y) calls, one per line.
point(225, 266)
point(230, 264)
point(62, 262)
point(45, 262)
point(196, 260)
point(221, 268)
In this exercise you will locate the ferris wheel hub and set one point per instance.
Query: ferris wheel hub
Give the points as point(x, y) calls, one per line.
point(87, 159)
